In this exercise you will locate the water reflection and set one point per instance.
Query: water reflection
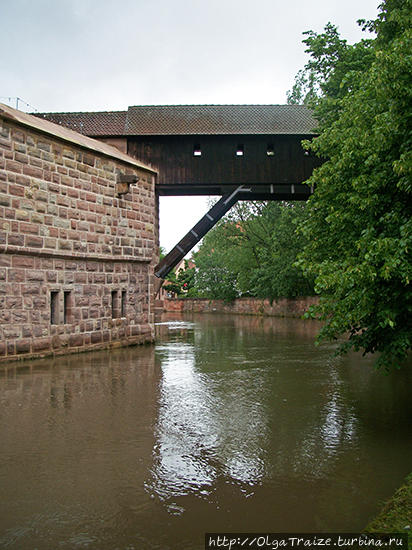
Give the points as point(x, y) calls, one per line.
point(224, 417)
point(245, 403)
point(208, 426)
point(230, 424)
point(77, 441)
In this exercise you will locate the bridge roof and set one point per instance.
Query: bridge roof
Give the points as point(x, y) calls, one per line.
point(219, 119)
point(191, 120)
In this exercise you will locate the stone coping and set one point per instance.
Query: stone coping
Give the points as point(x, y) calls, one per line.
point(70, 136)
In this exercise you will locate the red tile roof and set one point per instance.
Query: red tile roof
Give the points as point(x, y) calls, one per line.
point(191, 120)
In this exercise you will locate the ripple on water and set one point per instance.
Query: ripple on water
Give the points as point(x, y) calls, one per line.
point(214, 428)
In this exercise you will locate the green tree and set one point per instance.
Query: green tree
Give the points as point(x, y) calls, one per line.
point(332, 71)
point(276, 274)
point(186, 281)
point(215, 278)
point(359, 228)
point(251, 252)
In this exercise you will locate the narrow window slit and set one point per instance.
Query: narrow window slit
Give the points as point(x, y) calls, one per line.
point(54, 307)
point(67, 307)
point(123, 303)
point(240, 150)
point(115, 312)
point(197, 151)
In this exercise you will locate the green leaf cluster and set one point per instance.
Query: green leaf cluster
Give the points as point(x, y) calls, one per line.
point(251, 252)
point(183, 283)
point(359, 227)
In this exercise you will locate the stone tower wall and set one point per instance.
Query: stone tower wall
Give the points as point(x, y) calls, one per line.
point(76, 258)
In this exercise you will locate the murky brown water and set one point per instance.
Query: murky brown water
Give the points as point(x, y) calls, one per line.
point(228, 424)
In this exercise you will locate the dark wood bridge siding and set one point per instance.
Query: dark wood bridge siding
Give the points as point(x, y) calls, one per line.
point(218, 163)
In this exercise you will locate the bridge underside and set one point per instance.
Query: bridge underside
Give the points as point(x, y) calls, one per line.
point(230, 195)
point(251, 191)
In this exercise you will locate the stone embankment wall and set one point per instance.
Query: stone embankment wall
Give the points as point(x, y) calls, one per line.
point(76, 259)
point(247, 306)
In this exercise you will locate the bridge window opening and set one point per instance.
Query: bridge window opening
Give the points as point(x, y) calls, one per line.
point(54, 307)
point(270, 150)
point(197, 151)
point(67, 307)
point(240, 150)
point(123, 304)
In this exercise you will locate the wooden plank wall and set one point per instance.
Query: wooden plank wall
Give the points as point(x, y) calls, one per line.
point(218, 163)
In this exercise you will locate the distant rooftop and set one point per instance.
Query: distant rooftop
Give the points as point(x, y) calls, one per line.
point(101, 123)
point(190, 120)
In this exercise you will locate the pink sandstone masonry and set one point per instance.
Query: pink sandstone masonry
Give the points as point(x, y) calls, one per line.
point(76, 259)
point(246, 306)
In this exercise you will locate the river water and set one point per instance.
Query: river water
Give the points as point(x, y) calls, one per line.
point(229, 423)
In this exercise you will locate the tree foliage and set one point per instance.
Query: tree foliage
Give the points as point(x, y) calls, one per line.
point(251, 252)
point(359, 227)
point(181, 283)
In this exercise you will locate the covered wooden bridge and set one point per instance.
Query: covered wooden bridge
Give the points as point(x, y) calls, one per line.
point(241, 152)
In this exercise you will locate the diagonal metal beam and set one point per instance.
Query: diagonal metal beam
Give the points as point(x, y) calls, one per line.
point(197, 232)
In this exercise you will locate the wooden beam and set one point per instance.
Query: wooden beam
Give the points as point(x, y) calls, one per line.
point(197, 232)
point(256, 191)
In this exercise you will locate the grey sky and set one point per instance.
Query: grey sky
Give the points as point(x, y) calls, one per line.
point(79, 55)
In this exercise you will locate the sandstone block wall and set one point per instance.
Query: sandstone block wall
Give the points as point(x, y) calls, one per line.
point(76, 259)
point(247, 306)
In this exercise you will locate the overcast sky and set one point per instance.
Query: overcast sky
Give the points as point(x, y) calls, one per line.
point(92, 55)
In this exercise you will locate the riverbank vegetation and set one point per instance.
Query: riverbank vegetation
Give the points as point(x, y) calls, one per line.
point(351, 243)
point(396, 514)
point(359, 222)
point(250, 253)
